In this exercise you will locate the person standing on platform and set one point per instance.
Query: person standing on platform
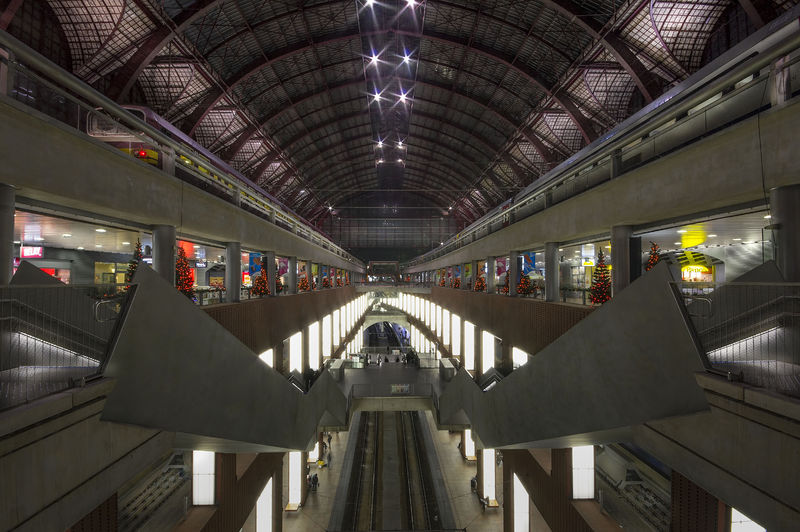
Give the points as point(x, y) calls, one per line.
point(329, 459)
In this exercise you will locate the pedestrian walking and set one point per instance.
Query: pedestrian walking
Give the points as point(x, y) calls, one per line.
point(330, 437)
point(329, 459)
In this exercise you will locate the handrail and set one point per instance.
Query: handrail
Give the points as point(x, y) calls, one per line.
point(242, 185)
point(748, 57)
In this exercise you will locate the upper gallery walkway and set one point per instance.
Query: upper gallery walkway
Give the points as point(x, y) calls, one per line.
point(715, 143)
point(52, 128)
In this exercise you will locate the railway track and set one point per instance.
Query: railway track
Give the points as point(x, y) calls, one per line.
point(408, 478)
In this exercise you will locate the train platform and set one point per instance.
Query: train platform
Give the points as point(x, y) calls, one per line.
point(315, 512)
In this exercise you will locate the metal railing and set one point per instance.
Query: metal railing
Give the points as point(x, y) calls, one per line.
point(42, 85)
point(749, 332)
point(55, 337)
point(730, 89)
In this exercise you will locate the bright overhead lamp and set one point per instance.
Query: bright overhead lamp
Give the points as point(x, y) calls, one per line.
point(380, 144)
point(370, 3)
point(374, 59)
point(406, 58)
point(402, 97)
point(66, 235)
point(100, 230)
point(411, 3)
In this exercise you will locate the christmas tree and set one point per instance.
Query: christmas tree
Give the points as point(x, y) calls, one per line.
point(184, 280)
point(457, 283)
point(524, 287)
point(655, 257)
point(504, 289)
point(600, 291)
point(302, 284)
point(260, 285)
point(480, 284)
point(326, 283)
point(338, 281)
point(441, 281)
point(134, 263)
point(347, 280)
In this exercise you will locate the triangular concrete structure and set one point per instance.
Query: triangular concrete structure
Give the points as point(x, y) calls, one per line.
point(179, 370)
point(630, 361)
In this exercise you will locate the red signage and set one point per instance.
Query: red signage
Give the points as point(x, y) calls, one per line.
point(31, 252)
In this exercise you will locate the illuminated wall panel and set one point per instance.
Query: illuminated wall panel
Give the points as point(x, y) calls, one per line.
point(521, 507)
point(518, 357)
point(469, 443)
point(264, 509)
point(487, 351)
point(202, 478)
point(489, 475)
point(445, 327)
point(296, 352)
point(455, 336)
point(313, 346)
point(469, 346)
point(327, 336)
point(268, 357)
point(583, 472)
point(335, 328)
point(296, 477)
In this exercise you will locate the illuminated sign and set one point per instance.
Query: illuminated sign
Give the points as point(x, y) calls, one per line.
point(200, 264)
point(31, 252)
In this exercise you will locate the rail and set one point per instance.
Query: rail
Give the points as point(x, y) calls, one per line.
point(42, 85)
point(53, 338)
point(749, 332)
point(728, 90)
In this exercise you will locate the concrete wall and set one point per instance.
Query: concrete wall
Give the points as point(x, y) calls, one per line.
point(720, 171)
point(48, 161)
point(58, 461)
point(261, 324)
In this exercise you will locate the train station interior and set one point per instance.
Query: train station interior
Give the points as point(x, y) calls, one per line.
point(390, 265)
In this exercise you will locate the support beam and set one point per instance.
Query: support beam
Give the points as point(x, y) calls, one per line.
point(233, 272)
point(164, 252)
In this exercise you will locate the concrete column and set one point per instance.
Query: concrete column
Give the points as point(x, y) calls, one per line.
point(168, 160)
point(513, 272)
point(473, 273)
point(164, 251)
point(620, 257)
point(616, 163)
point(780, 83)
point(491, 271)
point(785, 210)
point(291, 276)
point(6, 233)
point(233, 272)
point(277, 498)
point(551, 271)
point(269, 258)
point(5, 72)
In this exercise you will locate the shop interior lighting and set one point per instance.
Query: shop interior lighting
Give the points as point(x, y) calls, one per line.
point(66, 235)
point(677, 243)
point(81, 248)
point(126, 243)
point(681, 230)
point(98, 245)
point(768, 216)
point(737, 239)
point(100, 230)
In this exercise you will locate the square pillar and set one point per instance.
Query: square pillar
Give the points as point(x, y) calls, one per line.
point(551, 272)
point(620, 258)
point(164, 251)
point(291, 276)
point(268, 258)
point(491, 271)
point(233, 272)
point(513, 272)
point(277, 498)
point(7, 202)
point(473, 274)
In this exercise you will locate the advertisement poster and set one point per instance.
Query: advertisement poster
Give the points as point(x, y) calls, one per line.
point(457, 271)
point(502, 266)
point(254, 264)
point(467, 270)
point(324, 272)
point(314, 270)
point(283, 265)
point(528, 262)
point(301, 266)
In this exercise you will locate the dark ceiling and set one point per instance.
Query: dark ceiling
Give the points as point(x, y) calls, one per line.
point(413, 109)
